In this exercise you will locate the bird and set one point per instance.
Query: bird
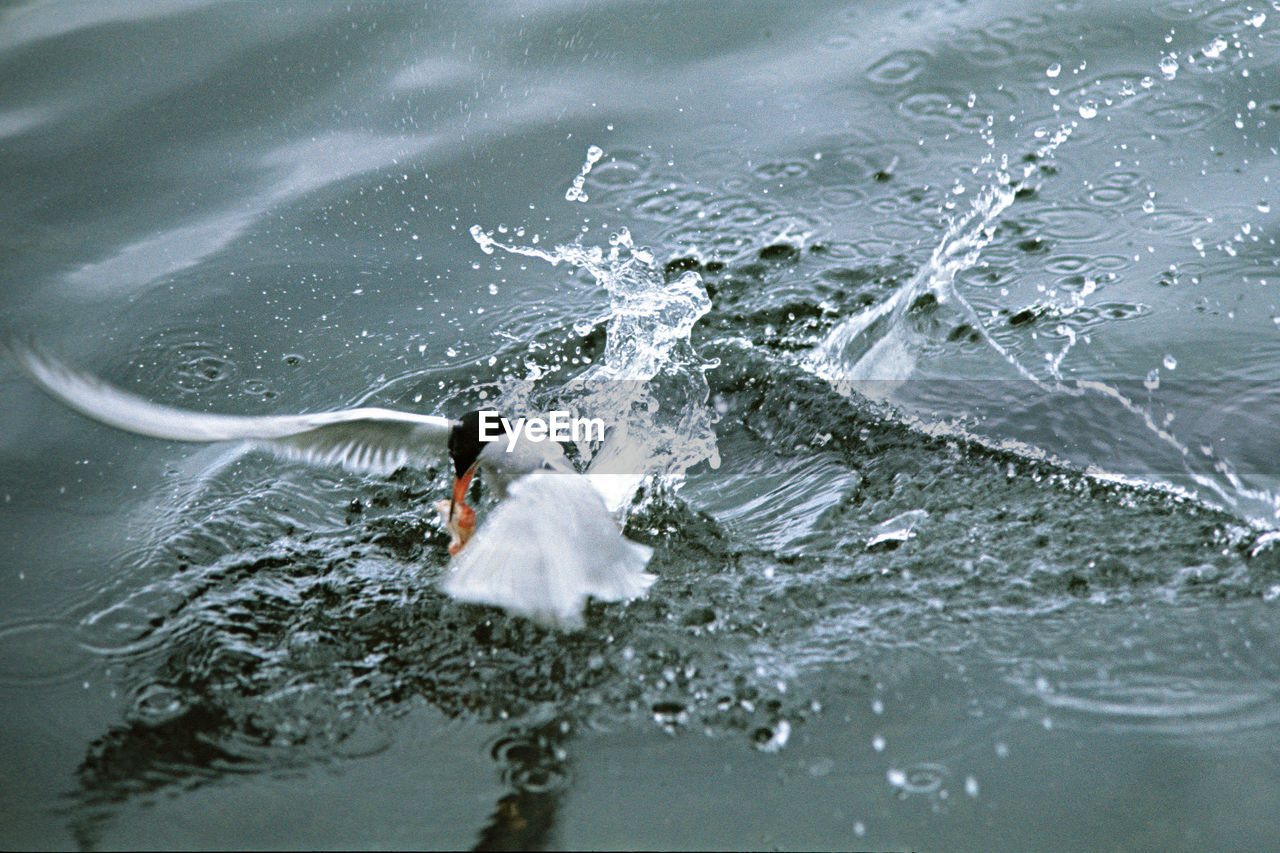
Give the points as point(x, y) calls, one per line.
point(550, 544)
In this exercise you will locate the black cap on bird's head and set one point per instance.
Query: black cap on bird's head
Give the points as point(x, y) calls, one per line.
point(464, 443)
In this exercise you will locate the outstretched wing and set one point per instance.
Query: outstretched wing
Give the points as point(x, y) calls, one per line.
point(546, 548)
point(368, 440)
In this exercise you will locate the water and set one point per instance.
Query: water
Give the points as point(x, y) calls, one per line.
point(944, 336)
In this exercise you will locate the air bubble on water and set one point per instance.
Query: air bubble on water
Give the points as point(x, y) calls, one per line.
point(1146, 82)
point(1152, 382)
point(1088, 110)
point(1169, 66)
point(1215, 48)
point(1053, 70)
point(1148, 206)
point(1170, 363)
point(778, 739)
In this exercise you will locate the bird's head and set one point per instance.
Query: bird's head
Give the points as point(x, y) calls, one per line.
point(467, 440)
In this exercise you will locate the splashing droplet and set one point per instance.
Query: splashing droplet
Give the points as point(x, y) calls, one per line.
point(1215, 48)
point(1170, 363)
point(575, 192)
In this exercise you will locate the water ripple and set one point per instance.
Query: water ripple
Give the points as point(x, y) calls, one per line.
point(899, 67)
point(40, 653)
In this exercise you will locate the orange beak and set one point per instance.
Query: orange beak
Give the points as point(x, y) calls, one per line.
point(461, 519)
point(459, 499)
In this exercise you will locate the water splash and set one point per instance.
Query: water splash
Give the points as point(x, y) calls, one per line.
point(648, 385)
point(575, 191)
point(875, 351)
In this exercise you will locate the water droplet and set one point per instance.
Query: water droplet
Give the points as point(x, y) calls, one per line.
point(897, 778)
point(877, 743)
point(1170, 363)
point(1169, 66)
point(971, 786)
point(1264, 207)
point(1053, 70)
point(1148, 206)
point(775, 740)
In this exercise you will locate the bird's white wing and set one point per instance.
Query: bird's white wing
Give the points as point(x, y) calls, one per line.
point(367, 439)
point(546, 548)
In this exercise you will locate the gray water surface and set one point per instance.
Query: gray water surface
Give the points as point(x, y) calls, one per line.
point(962, 323)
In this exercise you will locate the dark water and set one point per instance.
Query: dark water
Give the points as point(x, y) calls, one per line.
point(960, 324)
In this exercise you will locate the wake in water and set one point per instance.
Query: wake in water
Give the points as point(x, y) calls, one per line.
point(875, 351)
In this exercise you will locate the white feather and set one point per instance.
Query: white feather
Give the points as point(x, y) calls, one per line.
point(367, 440)
point(548, 547)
